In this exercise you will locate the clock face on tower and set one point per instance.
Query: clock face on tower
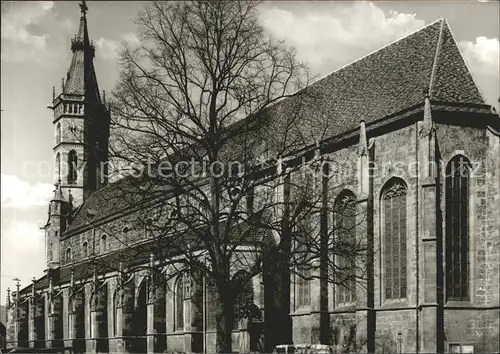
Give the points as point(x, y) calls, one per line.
point(79, 149)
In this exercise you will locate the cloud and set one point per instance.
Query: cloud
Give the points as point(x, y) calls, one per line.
point(482, 54)
point(21, 194)
point(110, 49)
point(107, 48)
point(46, 5)
point(340, 35)
point(483, 58)
point(23, 252)
point(131, 39)
point(16, 29)
point(29, 27)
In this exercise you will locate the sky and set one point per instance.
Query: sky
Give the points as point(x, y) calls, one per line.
point(35, 55)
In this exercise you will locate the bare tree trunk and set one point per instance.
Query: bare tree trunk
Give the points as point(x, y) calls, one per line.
point(224, 322)
point(278, 326)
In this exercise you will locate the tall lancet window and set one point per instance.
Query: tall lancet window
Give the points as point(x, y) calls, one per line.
point(303, 231)
point(58, 167)
point(58, 133)
point(344, 219)
point(457, 229)
point(244, 298)
point(180, 294)
point(394, 239)
point(72, 166)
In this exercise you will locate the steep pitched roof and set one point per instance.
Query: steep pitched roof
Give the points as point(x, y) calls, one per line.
point(81, 78)
point(386, 83)
point(452, 81)
point(108, 200)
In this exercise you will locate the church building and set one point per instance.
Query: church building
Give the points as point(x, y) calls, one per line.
point(426, 149)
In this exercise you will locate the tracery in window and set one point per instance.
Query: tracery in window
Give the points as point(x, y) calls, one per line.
point(394, 239)
point(457, 229)
point(180, 295)
point(344, 218)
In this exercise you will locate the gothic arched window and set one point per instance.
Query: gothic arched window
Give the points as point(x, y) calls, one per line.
point(303, 266)
point(211, 303)
point(58, 166)
point(344, 219)
point(69, 255)
point(244, 297)
point(179, 302)
point(104, 240)
point(303, 288)
point(85, 247)
point(72, 166)
point(457, 229)
point(394, 239)
point(58, 133)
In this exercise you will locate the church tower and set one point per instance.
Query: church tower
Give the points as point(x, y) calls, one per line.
point(81, 123)
point(59, 215)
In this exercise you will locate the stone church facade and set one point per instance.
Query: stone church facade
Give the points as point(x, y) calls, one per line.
point(426, 151)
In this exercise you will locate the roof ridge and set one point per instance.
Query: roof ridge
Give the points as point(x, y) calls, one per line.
point(436, 56)
point(466, 64)
point(377, 50)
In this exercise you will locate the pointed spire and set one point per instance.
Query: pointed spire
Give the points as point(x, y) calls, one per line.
point(363, 145)
point(82, 34)
point(317, 151)
point(62, 84)
point(53, 93)
point(33, 286)
point(18, 286)
point(427, 107)
point(427, 124)
point(70, 198)
point(120, 269)
point(58, 195)
point(94, 276)
point(81, 73)
point(8, 297)
point(151, 260)
point(72, 278)
point(51, 285)
point(83, 8)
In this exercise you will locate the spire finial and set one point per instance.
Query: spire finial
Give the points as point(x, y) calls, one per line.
point(427, 92)
point(83, 8)
point(33, 286)
point(363, 141)
point(427, 107)
point(62, 84)
point(428, 125)
point(51, 285)
point(70, 196)
point(72, 278)
point(53, 93)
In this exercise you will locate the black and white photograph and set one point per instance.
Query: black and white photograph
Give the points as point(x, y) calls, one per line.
point(244, 176)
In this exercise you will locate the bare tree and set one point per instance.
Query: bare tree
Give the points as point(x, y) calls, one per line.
point(208, 128)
